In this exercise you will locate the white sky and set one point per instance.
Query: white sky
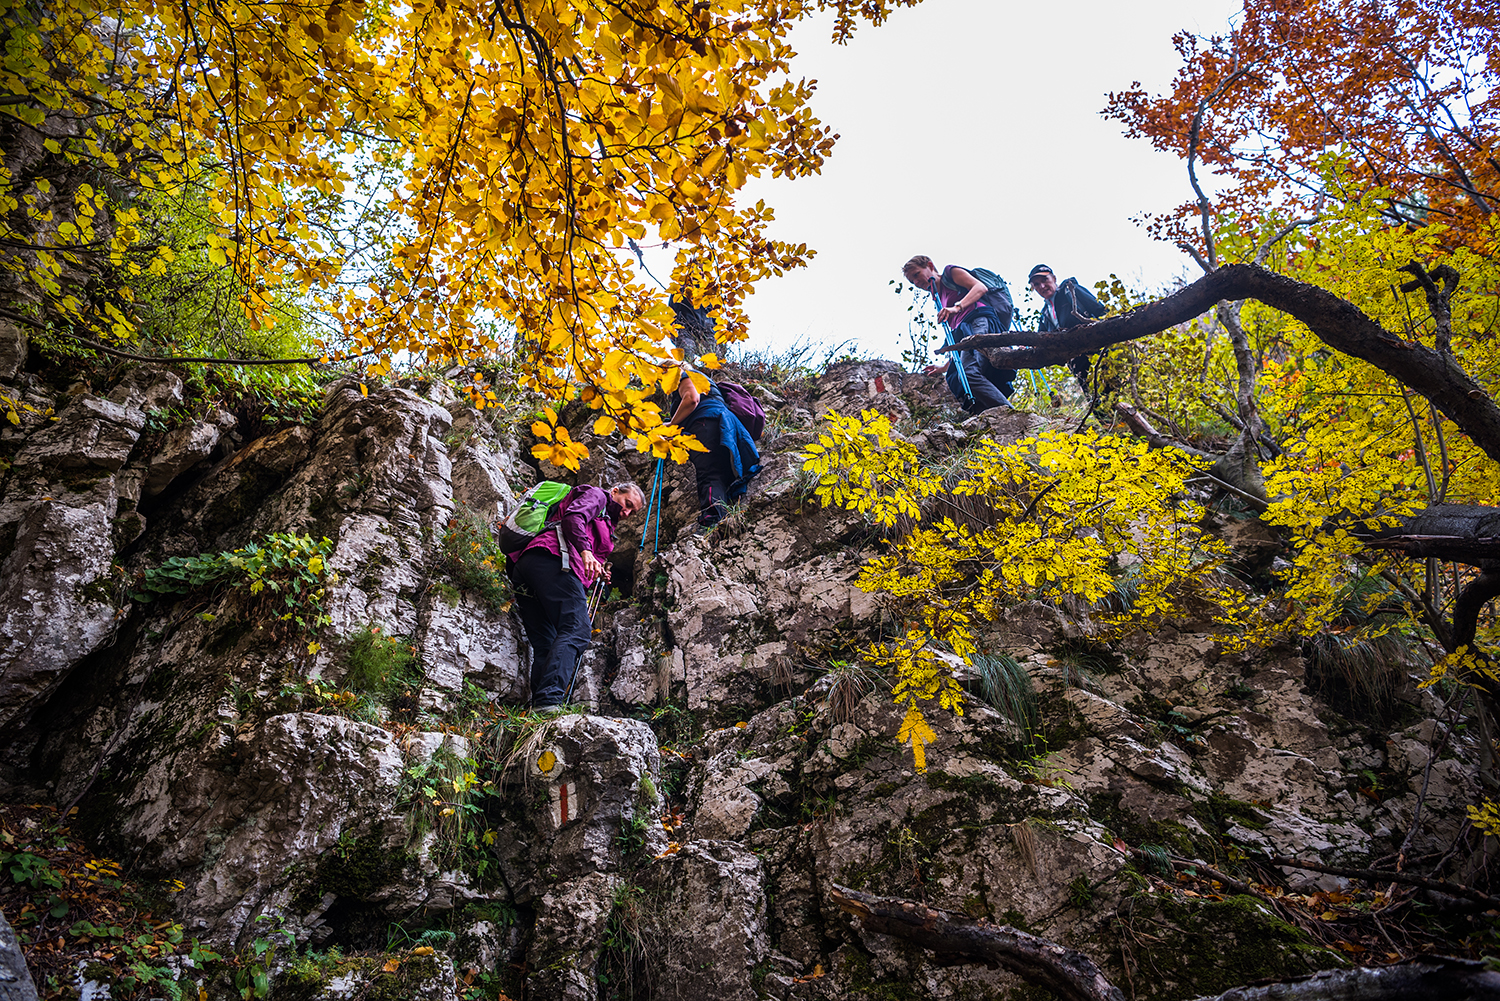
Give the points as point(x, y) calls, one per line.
point(970, 132)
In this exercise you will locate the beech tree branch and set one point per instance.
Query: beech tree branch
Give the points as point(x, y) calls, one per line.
point(1462, 533)
point(1437, 978)
point(1069, 974)
point(1337, 322)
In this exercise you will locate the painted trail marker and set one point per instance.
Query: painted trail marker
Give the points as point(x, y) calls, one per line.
point(565, 806)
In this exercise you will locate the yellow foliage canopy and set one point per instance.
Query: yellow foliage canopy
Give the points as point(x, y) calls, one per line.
point(419, 173)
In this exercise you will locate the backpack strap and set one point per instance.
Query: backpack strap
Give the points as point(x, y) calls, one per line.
point(556, 519)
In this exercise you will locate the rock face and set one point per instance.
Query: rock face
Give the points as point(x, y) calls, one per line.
point(679, 840)
point(15, 978)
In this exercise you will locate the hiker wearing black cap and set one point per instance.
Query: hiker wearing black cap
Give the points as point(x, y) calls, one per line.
point(1067, 305)
point(966, 306)
point(552, 576)
point(725, 470)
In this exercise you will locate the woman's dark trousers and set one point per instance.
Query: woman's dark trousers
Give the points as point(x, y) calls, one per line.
point(715, 470)
point(555, 612)
point(989, 386)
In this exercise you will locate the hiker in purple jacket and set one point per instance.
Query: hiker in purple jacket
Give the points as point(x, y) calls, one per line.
point(552, 576)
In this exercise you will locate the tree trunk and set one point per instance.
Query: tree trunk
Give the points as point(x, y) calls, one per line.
point(1462, 533)
point(1337, 322)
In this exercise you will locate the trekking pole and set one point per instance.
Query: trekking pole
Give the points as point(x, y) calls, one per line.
point(651, 503)
point(656, 487)
point(958, 359)
point(656, 540)
point(592, 602)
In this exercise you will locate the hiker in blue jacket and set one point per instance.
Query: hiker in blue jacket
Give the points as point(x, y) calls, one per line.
point(961, 298)
point(1067, 305)
point(725, 470)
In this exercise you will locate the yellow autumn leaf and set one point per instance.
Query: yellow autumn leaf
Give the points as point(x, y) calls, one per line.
point(915, 731)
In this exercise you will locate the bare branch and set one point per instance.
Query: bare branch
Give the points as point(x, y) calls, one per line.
point(1386, 876)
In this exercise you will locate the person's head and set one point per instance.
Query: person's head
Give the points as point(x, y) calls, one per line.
point(631, 498)
point(1042, 281)
point(920, 271)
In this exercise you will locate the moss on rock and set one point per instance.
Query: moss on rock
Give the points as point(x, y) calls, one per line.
point(1207, 947)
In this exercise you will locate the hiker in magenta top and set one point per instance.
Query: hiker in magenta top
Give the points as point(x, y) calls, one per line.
point(551, 593)
point(963, 307)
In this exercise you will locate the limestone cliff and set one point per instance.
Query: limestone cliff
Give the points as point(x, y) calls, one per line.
point(681, 839)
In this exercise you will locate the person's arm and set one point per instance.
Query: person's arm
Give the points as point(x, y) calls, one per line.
point(689, 393)
point(582, 506)
point(943, 368)
point(974, 290)
point(1086, 305)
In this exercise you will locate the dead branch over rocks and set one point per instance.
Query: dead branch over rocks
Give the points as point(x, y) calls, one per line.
point(1066, 972)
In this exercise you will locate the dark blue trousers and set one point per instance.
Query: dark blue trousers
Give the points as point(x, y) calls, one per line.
point(555, 612)
point(989, 386)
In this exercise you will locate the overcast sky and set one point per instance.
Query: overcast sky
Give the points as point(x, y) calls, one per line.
point(970, 132)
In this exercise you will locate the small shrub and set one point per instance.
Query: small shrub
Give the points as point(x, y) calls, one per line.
point(315, 696)
point(288, 572)
point(632, 836)
point(71, 909)
point(472, 558)
point(378, 663)
point(1080, 892)
point(442, 795)
point(629, 939)
point(851, 683)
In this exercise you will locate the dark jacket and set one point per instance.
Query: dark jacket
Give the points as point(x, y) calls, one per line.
point(1074, 305)
point(586, 525)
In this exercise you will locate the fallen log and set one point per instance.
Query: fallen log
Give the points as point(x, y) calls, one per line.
point(1072, 976)
point(1463, 533)
point(1065, 972)
point(1437, 979)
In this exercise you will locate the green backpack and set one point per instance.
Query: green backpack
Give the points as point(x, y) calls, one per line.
point(530, 518)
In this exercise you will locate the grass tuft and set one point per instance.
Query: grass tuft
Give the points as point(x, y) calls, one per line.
point(1004, 684)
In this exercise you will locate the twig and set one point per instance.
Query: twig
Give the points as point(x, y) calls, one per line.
point(1432, 757)
point(1382, 876)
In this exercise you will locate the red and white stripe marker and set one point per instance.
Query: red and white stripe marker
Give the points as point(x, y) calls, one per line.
point(564, 802)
